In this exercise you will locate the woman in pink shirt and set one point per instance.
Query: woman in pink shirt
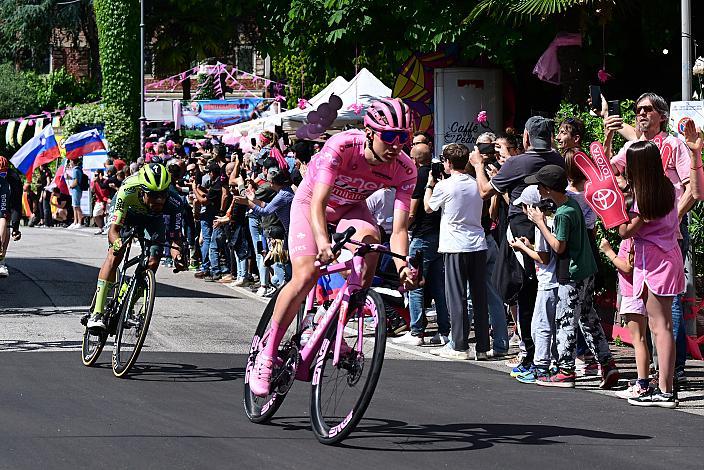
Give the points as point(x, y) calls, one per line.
point(658, 270)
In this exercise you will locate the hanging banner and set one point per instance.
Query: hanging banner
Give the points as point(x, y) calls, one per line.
point(198, 117)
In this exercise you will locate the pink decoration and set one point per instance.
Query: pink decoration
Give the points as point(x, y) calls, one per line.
point(302, 103)
point(31, 122)
point(356, 107)
point(481, 117)
point(279, 98)
point(603, 75)
point(548, 67)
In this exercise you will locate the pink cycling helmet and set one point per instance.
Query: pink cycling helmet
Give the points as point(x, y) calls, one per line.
point(388, 114)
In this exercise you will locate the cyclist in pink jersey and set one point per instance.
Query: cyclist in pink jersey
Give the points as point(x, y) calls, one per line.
point(349, 168)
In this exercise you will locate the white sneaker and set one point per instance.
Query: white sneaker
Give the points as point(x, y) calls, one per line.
point(409, 339)
point(261, 291)
point(241, 282)
point(4, 272)
point(633, 391)
point(514, 341)
point(449, 353)
point(96, 321)
point(439, 339)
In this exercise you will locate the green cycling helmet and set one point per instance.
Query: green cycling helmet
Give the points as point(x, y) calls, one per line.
point(154, 177)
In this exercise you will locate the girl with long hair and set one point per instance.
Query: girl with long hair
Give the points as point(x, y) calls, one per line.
point(658, 270)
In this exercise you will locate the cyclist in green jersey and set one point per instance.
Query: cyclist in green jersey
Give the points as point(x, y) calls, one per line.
point(143, 201)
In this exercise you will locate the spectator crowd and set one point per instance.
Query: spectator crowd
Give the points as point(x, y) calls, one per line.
point(506, 233)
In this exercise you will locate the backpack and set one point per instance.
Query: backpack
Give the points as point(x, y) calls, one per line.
point(84, 184)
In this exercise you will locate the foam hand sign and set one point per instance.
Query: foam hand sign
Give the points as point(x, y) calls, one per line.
point(665, 150)
point(601, 191)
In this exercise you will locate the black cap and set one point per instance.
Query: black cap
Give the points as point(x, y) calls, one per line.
point(540, 131)
point(550, 176)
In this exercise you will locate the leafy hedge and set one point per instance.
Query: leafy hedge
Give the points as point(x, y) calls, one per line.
point(118, 33)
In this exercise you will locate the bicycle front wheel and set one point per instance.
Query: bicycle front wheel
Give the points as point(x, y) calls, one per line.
point(135, 314)
point(93, 343)
point(94, 340)
point(341, 393)
point(261, 409)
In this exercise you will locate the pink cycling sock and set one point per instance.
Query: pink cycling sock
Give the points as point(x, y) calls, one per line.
point(276, 334)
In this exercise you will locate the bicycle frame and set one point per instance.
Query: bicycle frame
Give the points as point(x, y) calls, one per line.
point(339, 308)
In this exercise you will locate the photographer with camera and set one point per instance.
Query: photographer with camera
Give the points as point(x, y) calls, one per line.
point(463, 244)
point(537, 140)
point(425, 236)
point(486, 143)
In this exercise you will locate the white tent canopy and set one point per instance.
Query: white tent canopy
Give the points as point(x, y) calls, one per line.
point(362, 90)
point(337, 86)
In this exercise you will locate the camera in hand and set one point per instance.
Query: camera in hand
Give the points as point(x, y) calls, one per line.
point(546, 206)
point(437, 170)
point(490, 155)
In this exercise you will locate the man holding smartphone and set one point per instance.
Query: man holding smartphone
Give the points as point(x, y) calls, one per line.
point(537, 140)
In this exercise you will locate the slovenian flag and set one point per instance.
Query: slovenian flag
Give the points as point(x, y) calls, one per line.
point(37, 151)
point(83, 143)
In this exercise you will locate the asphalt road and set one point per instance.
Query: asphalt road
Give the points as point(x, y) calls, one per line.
point(181, 408)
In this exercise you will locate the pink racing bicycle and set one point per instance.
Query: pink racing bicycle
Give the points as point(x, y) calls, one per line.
point(342, 359)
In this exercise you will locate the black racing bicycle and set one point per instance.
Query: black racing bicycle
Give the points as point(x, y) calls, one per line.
point(128, 308)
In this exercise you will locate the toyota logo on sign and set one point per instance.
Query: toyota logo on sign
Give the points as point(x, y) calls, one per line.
point(604, 198)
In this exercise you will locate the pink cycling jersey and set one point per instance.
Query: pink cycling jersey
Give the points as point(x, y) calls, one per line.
point(341, 164)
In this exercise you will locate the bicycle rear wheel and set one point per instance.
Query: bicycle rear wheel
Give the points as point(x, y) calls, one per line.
point(341, 393)
point(262, 409)
point(135, 315)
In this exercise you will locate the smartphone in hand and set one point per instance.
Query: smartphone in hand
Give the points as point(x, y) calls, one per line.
point(595, 95)
point(614, 108)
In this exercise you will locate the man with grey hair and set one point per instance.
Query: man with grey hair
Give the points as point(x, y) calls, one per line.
point(537, 140)
point(652, 116)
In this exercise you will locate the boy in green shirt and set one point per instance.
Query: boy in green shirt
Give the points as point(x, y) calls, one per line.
point(575, 275)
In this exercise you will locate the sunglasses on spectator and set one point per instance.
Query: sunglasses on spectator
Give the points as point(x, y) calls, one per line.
point(392, 137)
point(417, 143)
point(647, 108)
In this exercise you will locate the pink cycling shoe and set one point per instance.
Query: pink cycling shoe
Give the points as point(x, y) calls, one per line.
point(260, 377)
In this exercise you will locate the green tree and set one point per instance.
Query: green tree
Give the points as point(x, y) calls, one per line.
point(27, 28)
point(118, 32)
point(377, 35)
point(193, 31)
